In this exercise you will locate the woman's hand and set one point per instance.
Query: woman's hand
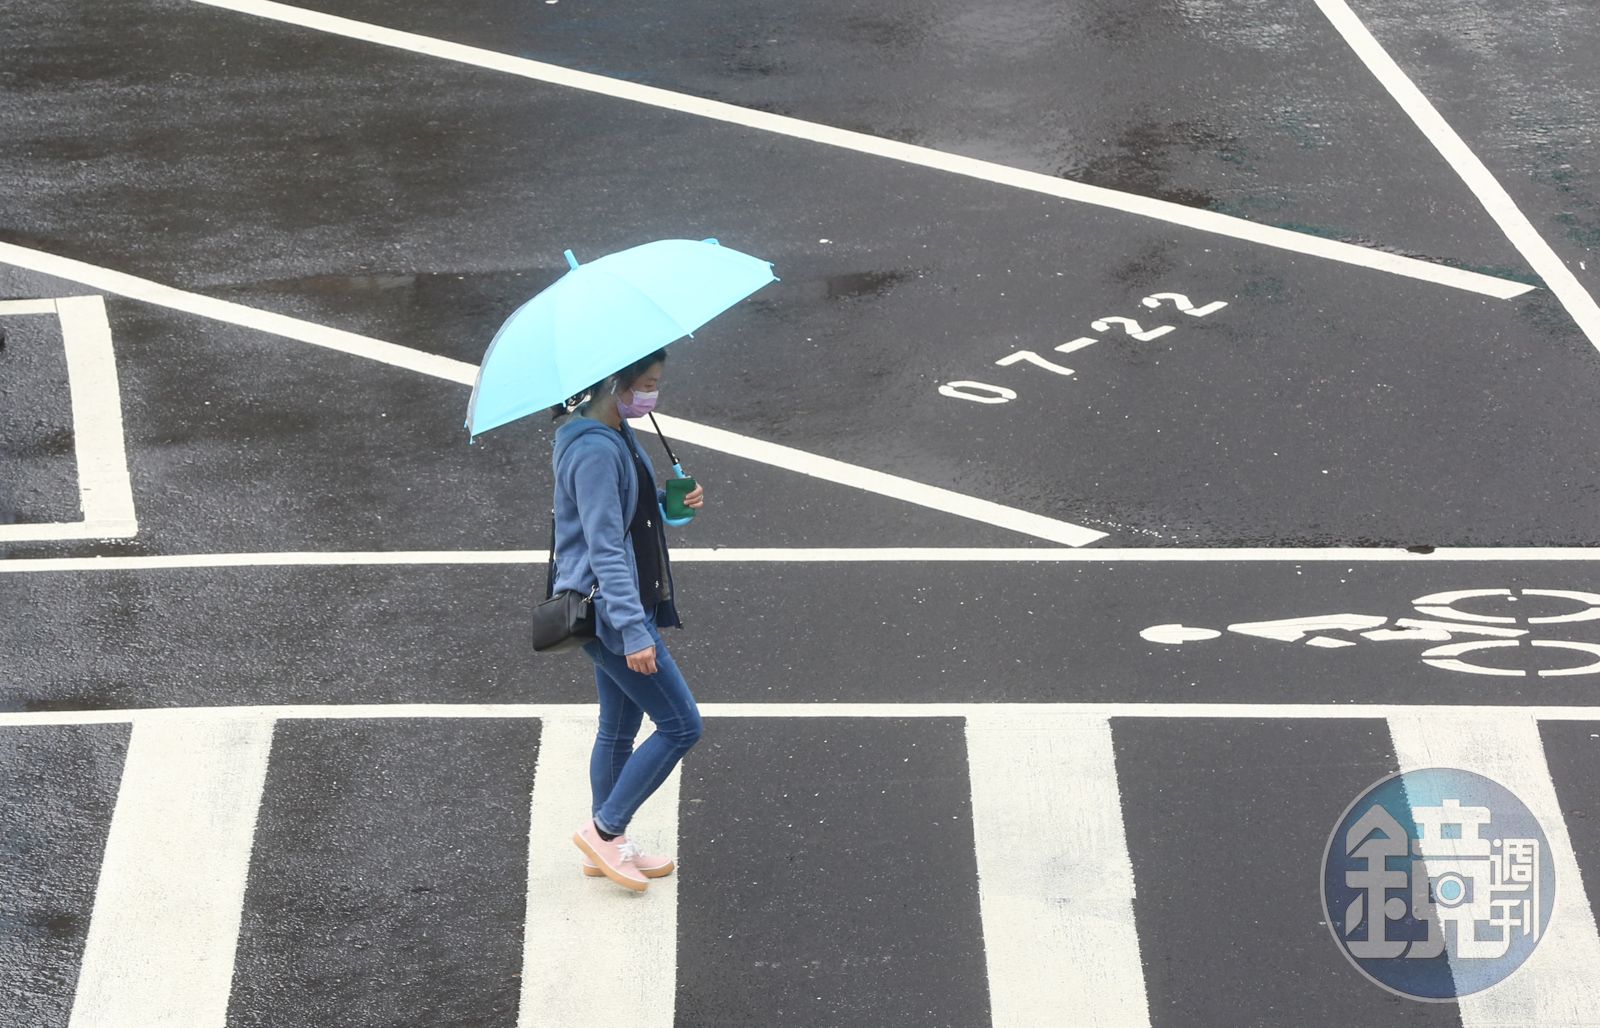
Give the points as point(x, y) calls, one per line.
point(696, 499)
point(643, 662)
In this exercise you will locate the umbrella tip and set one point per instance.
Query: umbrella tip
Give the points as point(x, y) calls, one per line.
point(572, 262)
point(713, 242)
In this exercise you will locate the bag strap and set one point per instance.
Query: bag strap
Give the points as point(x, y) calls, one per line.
point(550, 572)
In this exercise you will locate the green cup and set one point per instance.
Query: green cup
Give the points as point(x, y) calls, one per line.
point(677, 489)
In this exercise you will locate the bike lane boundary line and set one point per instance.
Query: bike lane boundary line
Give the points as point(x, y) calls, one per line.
point(818, 555)
point(1088, 711)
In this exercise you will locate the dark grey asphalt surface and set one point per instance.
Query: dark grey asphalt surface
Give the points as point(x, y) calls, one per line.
point(1223, 819)
point(1326, 405)
point(60, 788)
point(419, 201)
point(385, 847)
point(41, 483)
point(757, 633)
point(862, 908)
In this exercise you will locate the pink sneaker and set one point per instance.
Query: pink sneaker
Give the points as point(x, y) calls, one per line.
point(614, 859)
point(649, 865)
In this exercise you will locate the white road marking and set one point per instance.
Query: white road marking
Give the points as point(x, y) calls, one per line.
point(370, 711)
point(104, 489)
point(96, 410)
point(134, 288)
point(68, 531)
point(589, 945)
point(840, 473)
point(802, 555)
point(462, 373)
point(921, 156)
point(1478, 178)
point(27, 307)
point(1055, 881)
point(1559, 984)
point(165, 925)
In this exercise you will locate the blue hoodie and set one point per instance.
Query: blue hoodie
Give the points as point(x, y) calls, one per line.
point(596, 491)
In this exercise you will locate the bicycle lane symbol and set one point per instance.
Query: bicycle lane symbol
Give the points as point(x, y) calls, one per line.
point(1471, 640)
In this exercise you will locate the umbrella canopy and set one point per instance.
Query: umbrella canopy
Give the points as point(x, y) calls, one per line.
point(602, 316)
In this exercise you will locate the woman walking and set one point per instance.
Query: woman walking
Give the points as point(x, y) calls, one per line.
point(609, 532)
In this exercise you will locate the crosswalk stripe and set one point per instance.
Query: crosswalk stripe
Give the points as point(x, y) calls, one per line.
point(1058, 924)
point(161, 940)
point(1054, 878)
point(590, 948)
point(1558, 984)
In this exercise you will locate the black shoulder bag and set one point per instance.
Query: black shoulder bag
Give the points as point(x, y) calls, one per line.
point(564, 622)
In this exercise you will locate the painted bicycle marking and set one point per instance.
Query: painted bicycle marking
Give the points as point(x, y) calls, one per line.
point(1448, 617)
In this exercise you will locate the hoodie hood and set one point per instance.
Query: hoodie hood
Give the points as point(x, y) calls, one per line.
point(575, 428)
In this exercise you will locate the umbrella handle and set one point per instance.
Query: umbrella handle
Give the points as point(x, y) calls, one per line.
point(677, 471)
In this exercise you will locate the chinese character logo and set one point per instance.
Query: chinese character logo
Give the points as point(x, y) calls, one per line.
point(1437, 883)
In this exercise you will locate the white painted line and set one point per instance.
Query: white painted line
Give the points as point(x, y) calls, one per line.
point(27, 307)
point(104, 489)
point(1058, 926)
point(161, 940)
point(921, 156)
point(370, 711)
point(589, 945)
point(1559, 984)
point(135, 288)
point(463, 373)
point(96, 411)
point(67, 531)
point(1478, 178)
point(404, 558)
point(830, 470)
point(801, 555)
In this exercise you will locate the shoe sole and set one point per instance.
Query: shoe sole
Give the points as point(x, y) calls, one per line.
point(654, 872)
point(601, 866)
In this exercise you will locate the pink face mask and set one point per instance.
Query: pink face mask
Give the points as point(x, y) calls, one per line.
point(643, 403)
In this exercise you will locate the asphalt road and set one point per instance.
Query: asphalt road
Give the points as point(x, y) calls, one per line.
point(834, 869)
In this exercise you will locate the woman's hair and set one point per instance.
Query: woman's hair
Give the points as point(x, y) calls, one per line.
point(622, 379)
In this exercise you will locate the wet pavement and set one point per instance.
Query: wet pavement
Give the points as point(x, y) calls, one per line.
point(923, 633)
point(1325, 405)
point(1234, 395)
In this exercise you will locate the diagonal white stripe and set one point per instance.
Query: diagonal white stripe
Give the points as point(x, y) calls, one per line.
point(452, 370)
point(1478, 178)
point(905, 153)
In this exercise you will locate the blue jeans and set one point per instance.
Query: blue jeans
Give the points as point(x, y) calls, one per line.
point(621, 777)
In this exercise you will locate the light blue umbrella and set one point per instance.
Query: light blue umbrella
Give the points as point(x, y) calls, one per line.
point(602, 316)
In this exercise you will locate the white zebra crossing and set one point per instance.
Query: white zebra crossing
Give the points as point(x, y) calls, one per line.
point(1055, 883)
point(1560, 983)
point(166, 919)
point(165, 925)
point(577, 926)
